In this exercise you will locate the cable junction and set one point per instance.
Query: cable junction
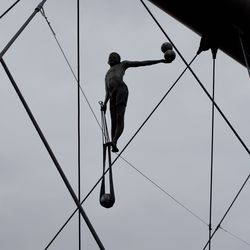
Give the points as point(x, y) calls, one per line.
point(13, 39)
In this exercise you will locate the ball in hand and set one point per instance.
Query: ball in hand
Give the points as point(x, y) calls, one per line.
point(166, 46)
point(169, 56)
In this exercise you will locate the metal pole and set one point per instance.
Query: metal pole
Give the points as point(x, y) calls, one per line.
point(13, 39)
point(211, 161)
point(66, 182)
point(79, 121)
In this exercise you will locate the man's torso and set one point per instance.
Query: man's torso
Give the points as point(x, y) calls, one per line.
point(114, 77)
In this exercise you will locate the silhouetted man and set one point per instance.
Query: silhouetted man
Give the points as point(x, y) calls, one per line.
point(117, 92)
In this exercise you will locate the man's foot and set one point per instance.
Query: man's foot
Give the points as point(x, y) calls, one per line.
point(114, 148)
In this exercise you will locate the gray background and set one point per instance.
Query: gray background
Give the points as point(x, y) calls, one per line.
point(173, 149)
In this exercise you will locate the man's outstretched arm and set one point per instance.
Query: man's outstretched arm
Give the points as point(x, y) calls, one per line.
point(128, 64)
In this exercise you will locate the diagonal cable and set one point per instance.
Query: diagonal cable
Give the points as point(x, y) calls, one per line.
point(69, 65)
point(235, 236)
point(10, 8)
point(166, 193)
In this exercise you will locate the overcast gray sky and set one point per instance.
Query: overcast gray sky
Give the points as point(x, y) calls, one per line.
point(173, 148)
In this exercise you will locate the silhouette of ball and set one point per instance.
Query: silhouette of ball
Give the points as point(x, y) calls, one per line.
point(169, 56)
point(107, 201)
point(166, 46)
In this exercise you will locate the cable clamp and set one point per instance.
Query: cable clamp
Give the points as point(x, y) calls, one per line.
point(39, 6)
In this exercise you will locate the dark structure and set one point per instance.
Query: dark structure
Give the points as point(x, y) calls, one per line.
point(225, 22)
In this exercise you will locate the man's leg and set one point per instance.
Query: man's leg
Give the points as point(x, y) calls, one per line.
point(120, 113)
point(113, 122)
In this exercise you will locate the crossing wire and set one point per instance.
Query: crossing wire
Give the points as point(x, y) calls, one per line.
point(226, 213)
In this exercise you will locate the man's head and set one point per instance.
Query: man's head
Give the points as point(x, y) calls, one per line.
point(114, 58)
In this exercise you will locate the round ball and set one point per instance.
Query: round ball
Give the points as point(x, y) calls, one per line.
point(169, 56)
point(107, 200)
point(166, 46)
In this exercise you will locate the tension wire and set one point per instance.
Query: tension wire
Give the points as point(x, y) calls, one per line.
point(68, 63)
point(235, 236)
